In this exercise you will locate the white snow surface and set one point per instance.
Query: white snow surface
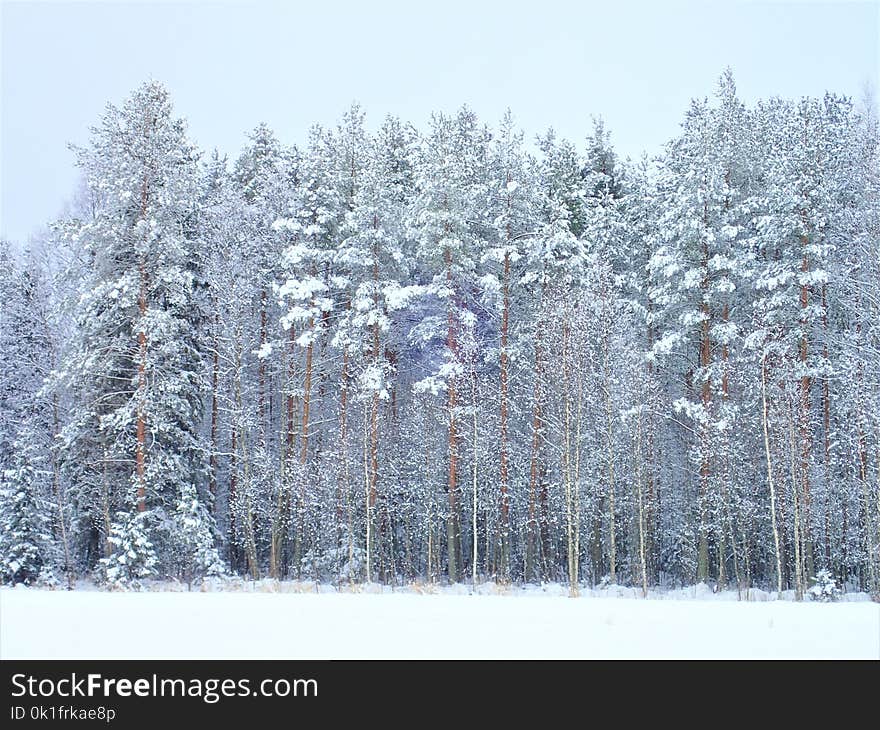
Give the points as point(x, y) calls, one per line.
point(269, 620)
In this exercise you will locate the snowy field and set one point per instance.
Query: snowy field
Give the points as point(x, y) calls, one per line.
point(291, 623)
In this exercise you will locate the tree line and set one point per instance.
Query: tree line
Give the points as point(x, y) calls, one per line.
point(451, 354)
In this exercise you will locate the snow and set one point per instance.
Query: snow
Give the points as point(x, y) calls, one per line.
point(428, 622)
point(264, 351)
point(398, 297)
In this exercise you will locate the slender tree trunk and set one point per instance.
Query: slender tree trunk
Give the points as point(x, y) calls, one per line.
point(261, 367)
point(215, 381)
point(242, 457)
point(826, 429)
point(609, 435)
point(368, 498)
point(475, 450)
point(452, 346)
point(343, 430)
point(804, 424)
point(574, 553)
point(764, 422)
point(342, 488)
point(862, 469)
point(141, 425)
point(307, 399)
point(249, 528)
point(430, 569)
point(280, 514)
point(58, 493)
point(374, 401)
point(796, 508)
point(566, 457)
point(504, 527)
point(653, 506)
point(233, 484)
point(534, 461)
point(725, 458)
point(290, 435)
point(638, 470)
point(706, 399)
point(105, 505)
point(304, 452)
point(141, 428)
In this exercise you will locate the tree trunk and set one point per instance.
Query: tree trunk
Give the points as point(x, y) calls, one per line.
point(796, 508)
point(638, 465)
point(725, 460)
point(342, 488)
point(105, 505)
point(475, 449)
point(261, 367)
point(452, 485)
point(534, 461)
point(826, 430)
point(141, 426)
point(705, 450)
point(374, 401)
point(804, 424)
point(764, 421)
point(277, 560)
point(215, 380)
point(609, 434)
point(368, 498)
point(575, 495)
point(59, 495)
point(504, 526)
point(566, 457)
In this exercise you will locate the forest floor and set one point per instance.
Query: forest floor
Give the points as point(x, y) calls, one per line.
point(290, 620)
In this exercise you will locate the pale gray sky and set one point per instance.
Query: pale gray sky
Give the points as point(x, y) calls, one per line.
point(290, 64)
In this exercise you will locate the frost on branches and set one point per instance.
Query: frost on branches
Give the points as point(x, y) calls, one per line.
point(824, 587)
point(390, 354)
point(132, 558)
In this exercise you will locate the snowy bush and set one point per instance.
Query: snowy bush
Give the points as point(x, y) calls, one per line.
point(24, 526)
point(343, 563)
point(825, 587)
point(193, 538)
point(48, 579)
point(133, 557)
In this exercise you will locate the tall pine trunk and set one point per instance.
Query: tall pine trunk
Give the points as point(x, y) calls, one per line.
point(806, 436)
point(532, 531)
point(766, 429)
point(215, 382)
point(376, 355)
point(504, 527)
point(141, 426)
point(452, 482)
point(705, 440)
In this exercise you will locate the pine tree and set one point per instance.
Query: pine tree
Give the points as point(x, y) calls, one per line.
point(192, 530)
point(132, 557)
point(26, 544)
point(136, 372)
point(28, 518)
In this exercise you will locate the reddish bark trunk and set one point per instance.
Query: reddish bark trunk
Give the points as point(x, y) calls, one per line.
point(452, 484)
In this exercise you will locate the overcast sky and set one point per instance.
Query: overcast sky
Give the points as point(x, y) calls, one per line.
point(230, 66)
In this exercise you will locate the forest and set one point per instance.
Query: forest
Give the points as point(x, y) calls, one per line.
point(452, 354)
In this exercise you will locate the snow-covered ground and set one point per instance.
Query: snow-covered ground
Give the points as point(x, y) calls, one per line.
point(254, 622)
